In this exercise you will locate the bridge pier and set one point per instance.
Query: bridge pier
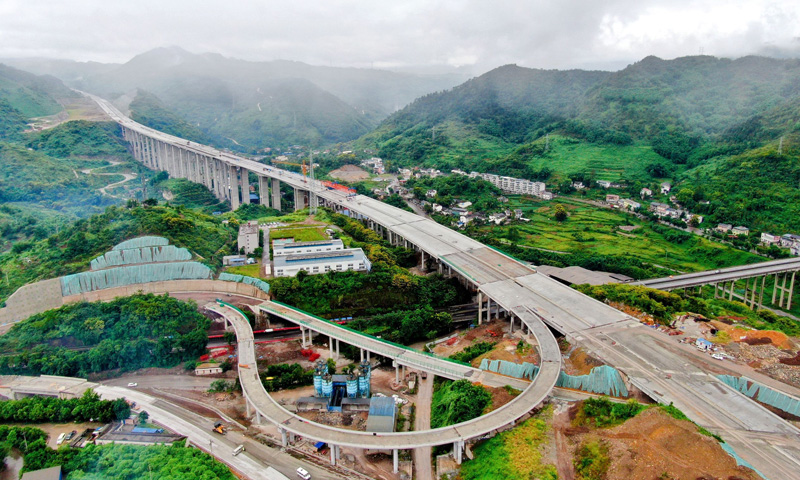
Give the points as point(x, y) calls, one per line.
point(276, 194)
point(284, 440)
point(234, 192)
point(395, 461)
point(244, 178)
point(480, 307)
point(263, 190)
point(458, 450)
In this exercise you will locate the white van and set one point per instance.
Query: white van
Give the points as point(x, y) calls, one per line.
point(61, 439)
point(238, 450)
point(302, 473)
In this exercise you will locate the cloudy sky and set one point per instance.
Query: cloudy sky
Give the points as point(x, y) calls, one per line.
point(479, 34)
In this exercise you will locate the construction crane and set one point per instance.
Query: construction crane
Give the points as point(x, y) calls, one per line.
point(308, 172)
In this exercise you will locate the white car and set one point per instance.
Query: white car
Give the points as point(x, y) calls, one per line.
point(133, 384)
point(302, 473)
point(718, 356)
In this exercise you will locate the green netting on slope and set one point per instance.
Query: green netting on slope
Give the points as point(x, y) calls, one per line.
point(739, 460)
point(517, 370)
point(121, 276)
point(602, 379)
point(139, 242)
point(763, 394)
point(231, 277)
point(133, 256)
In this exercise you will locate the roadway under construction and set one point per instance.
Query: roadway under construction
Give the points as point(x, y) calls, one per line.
point(505, 287)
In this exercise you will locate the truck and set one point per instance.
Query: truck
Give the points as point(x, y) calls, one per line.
point(219, 428)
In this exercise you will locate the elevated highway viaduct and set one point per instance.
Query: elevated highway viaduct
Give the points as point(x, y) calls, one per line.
point(755, 278)
point(504, 287)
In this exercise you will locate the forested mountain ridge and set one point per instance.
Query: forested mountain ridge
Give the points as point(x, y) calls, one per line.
point(248, 105)
point(32, 95)
point(672, 105)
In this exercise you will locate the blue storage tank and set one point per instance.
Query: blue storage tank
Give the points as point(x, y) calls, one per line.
point(352, 387)
point(327, 386)
point(318, 385)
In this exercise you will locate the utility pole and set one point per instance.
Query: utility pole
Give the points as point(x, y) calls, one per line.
point(433, 133)
point(547, 142)
point(780, 147)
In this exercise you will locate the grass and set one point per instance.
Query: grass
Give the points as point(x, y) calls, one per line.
point(594, 229)
point(513, 454)
point(300, 234)
point(246, 270)
point(592, 461)
point(606, 162)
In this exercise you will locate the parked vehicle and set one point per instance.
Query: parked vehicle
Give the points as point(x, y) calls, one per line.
point(302, 473)
point(238, 450)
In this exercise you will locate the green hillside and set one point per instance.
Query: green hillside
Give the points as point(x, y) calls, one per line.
point(148, 110)
point(32, 95)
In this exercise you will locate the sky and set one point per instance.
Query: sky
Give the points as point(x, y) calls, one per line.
point(474, 34)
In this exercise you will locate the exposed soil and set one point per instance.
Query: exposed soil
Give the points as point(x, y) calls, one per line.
point(653, 444)
point(580, 363)
point(350, 173)
point(500, 397)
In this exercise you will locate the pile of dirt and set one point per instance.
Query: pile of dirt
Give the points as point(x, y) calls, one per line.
point(348, 421)
point(500, 396)
point(754, 337)
point(279, 352)
point(653, 444)
point(580, 363)
point(350, 173)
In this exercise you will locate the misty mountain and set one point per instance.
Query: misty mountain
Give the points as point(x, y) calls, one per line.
point(671, 104)
point(257, 104)
point(31, 95)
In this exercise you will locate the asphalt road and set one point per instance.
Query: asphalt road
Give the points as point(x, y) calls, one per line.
point(197, 429)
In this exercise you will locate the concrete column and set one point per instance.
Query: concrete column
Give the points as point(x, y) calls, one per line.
point(207, 178)
point(422, 260)
point(396, 372)
point(284, 440)
point(761, 295)
point(337, 349)
point(330, 346)
point(333, 454)
point(511, 328)
point(234, 192)
point(247, 406)
point(791, 292)
point(219, 180)
point(258, 417)
point(368, 354)
point(783, 289)
point(733, 287)
point(245, 183)
point(775, 289)
point(263, 190)
point(480, 307)
point(395, 461)
point(276, 194)
point(458, 447)
point(361, 350)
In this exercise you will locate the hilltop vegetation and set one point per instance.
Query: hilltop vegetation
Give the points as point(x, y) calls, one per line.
point(128, 333)
point(32, 95)
point(71, 249)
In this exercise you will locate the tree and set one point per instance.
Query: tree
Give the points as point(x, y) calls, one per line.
point(331, 363)
point(229, 337)
point(560, 213)
point(143, 417)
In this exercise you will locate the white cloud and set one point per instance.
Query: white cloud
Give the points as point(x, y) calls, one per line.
point(533, 33)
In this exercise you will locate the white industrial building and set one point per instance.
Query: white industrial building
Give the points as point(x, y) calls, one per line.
point(518, 186)
point(248, 237)
point(321, 262)
point(280, 249)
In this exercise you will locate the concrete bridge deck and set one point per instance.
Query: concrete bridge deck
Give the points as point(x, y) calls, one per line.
point(532, 395)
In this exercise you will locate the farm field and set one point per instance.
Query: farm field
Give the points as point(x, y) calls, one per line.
point(591, 229)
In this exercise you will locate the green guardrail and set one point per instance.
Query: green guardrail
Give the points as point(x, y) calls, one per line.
point(388, 342)
point(459, 269)
point(221, 302)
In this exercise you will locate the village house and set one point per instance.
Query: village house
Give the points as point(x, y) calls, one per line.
point(724, 227)
point(612, 199)
point(740, 231)
point(578, 185)
point(630, 204)
point(547, 195)
point(646, 192)
point(604, 183)
point(770, 239)
point(666, 188)
point(430, 193)
point(789, 240)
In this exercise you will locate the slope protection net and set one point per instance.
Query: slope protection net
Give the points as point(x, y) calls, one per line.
point(231, 277)
point(139, 242)
point(133, 256)
point(120, 276)
point(763, 394)
point(603, 379)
